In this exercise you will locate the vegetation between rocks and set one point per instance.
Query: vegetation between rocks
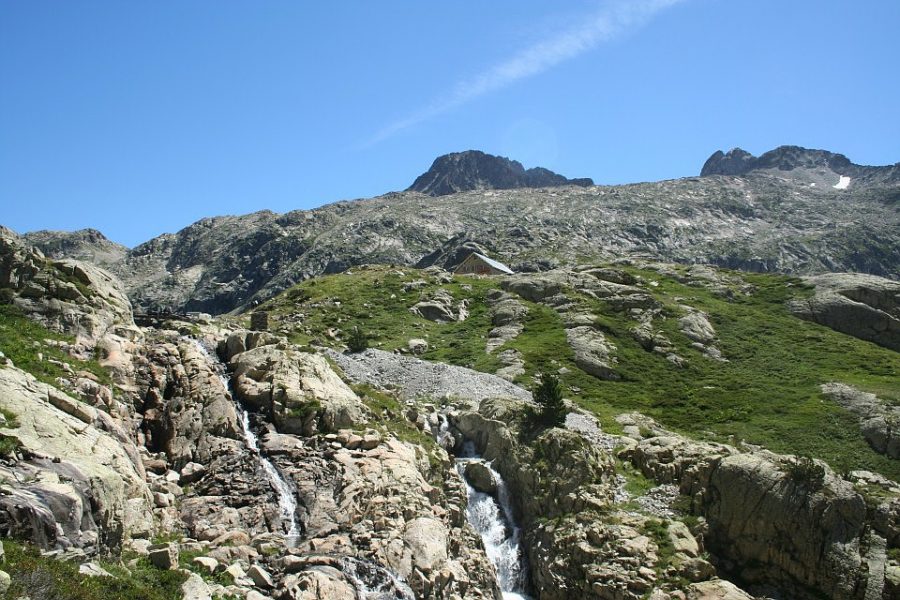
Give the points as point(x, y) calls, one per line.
point(50, 578)
point(30, 346)
point(767, 392)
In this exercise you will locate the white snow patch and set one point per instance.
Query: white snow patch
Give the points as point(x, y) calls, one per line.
point(843, 184)
point(812, 185)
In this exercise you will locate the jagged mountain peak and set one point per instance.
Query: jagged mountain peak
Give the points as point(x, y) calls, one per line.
point(738, 161)
point(813, 167)
point(473, 170)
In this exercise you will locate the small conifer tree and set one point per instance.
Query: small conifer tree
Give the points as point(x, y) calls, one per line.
point(548, 396)
point(358, 340)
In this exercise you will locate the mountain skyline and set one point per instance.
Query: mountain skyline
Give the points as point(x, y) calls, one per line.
point(138, 120)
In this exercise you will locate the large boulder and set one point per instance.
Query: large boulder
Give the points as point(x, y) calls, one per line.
point(864, 306)
point(78, 481)
point(780, 529)
point(593, 353)
point(774, 520)
point(696, 326)
point(298, 389)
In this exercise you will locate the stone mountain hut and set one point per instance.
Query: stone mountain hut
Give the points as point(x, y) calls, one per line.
point(479, 264)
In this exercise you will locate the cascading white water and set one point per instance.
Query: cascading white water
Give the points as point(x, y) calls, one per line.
point(287, 504)
point(493, 520)
point(374, 582)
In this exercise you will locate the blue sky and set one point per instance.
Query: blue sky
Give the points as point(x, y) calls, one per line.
point(138, 118)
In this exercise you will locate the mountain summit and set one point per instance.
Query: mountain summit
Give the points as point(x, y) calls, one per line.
point(475, 170)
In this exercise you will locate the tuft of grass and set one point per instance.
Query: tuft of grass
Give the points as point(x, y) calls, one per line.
point(658, 531)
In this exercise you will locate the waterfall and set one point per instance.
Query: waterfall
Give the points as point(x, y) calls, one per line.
point(287, 504)
point(493, 519)
point(374, 582)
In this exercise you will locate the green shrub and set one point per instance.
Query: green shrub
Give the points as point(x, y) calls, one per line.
point(304, 410)
point(548, 396)
point(358, 340)
point(8, 445)
point(807, 473)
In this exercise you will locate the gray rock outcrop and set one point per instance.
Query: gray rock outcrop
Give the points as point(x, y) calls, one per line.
point(864, 306)
point(773, 520)
point(79, 482)
point(298, 389)
point(64, 295)
point(879, 421)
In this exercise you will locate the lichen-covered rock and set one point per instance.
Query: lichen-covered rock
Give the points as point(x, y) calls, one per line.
point(780, 521)
point(417, 346)
point(300, 390)
point(593, 353)
point(696, 326)
point(186, 406)
point(69, 296)
point(594, 558)
point(79, 482)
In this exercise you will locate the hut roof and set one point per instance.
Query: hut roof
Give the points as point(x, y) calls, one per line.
point(496, 264)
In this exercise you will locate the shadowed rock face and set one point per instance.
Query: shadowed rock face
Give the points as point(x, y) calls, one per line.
point(474, 170)
point(863, 306)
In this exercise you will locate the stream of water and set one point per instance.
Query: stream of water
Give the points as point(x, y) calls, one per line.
point(287, 504)
point(494, 521)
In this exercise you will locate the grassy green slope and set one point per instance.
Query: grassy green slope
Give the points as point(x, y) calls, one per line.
point(31, 348)
point(767, 393)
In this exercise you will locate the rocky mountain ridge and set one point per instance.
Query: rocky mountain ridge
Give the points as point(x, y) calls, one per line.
point(761, 221)
point(813, 167)
point(475, 170)
point(756, 222)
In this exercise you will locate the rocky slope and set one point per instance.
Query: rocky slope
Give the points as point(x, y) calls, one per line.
point(87, 245)
point(764, 220)
point(162, 451)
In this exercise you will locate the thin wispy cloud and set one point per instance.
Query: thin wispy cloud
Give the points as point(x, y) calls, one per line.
point(614, 19)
